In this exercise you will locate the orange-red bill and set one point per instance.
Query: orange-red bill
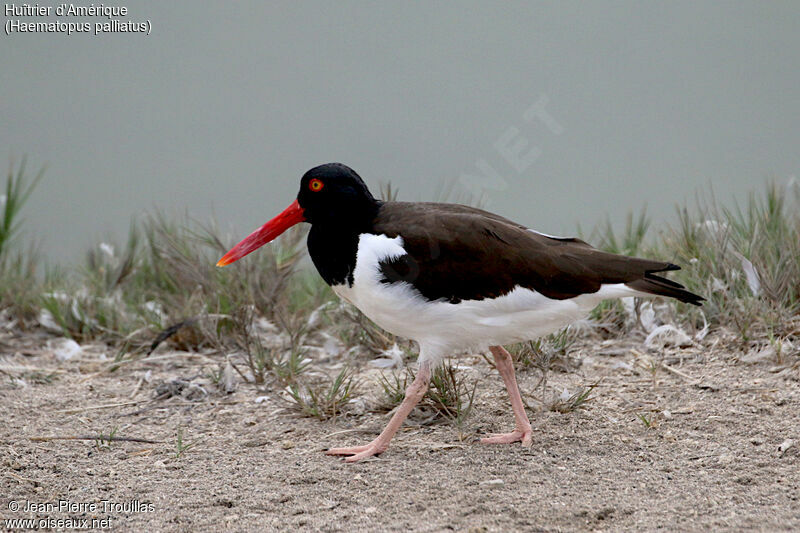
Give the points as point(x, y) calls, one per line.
point(291, 215)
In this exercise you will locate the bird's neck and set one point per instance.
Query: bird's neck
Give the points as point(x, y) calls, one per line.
point(333, 244)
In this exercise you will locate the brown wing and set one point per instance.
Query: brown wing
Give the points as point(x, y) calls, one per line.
point(462, 253)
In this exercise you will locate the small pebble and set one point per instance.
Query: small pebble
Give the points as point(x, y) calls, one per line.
point(726, 459)
point(66, 349)
point(785, 445)
point(492, 483)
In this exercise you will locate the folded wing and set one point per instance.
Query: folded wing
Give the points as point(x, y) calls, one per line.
point(462, 253)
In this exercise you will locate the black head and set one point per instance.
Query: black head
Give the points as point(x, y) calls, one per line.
point(335, 193)
point(332, 198)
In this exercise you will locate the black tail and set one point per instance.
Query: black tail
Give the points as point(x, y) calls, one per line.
point(659, 286)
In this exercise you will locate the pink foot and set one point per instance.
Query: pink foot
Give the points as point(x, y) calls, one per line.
point(414, 394)
point(358, 453)
point(524, 435)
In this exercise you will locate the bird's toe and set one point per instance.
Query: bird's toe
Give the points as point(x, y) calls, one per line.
point(357, 453)
point(518, 435)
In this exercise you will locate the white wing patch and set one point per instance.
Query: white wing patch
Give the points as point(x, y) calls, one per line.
point(372, 249)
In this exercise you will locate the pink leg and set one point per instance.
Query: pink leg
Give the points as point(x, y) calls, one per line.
point(502, 360)
point(414, 394)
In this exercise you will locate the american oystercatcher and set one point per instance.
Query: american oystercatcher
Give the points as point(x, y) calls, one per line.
point(451, 278)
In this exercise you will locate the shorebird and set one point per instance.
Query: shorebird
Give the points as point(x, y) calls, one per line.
point(452, 278)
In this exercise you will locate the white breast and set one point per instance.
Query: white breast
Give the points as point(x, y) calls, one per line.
point(442, 328)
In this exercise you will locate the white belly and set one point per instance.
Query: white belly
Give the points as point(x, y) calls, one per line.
point(441, 327)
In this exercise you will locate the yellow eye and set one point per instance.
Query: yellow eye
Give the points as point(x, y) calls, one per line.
point(315, 185)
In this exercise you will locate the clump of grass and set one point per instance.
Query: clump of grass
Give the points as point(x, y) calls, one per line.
point(609, 319)
point(181, 446)
point(573, 402)
point(104, 441)
point(37, 377)
point(284, 364)
point(86, 315)
point(40, 378)
point(449, 395)
point(166, 274)
point(178, 270)
point(648, 419)
point(745, 260)
point(17, 192)
point(215, 374)
point(393, 390)
point(545, 354)
point(19, 284)
point(323, 399)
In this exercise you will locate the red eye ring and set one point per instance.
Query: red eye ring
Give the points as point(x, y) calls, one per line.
point(315, 185)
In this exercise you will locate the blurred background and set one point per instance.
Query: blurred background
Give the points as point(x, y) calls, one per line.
point(556, 114)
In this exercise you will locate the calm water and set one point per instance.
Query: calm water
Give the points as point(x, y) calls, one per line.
point(557, 113)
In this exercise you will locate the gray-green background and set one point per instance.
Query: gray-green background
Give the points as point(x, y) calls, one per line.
point(221, 109)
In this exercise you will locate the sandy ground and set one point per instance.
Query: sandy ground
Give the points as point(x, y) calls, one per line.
point(714, 456)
